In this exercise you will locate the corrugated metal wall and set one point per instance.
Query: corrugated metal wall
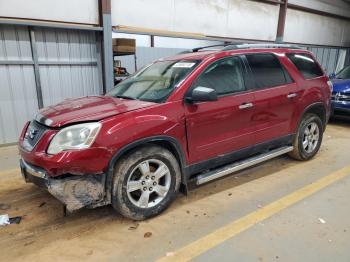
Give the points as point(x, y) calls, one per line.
point(327, 57)
point(68, 67)
point(68, 64)
point(18, 101)
point(146, 55)
point(347, 60)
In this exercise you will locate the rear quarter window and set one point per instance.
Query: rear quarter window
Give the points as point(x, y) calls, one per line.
point(307, 66)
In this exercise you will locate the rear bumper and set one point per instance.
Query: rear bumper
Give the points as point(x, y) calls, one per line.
point(74, 192)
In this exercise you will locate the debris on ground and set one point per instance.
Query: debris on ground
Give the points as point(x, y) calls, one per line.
point(4, 206)
point(170, 254)
point(147, 234)
point(4, 220)
point(260, 206)
point(15, 220)
point(322, 220)
point(134, 227)
point(29, 243)
point(229, 194)
point(42, 204)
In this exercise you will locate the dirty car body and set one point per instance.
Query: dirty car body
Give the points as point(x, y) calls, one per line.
point(76, 148)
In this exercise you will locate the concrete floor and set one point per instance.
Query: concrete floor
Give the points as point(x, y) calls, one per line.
point(295, 233)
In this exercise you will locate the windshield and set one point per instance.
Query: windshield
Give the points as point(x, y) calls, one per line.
point(344, 73)
point(155, 82)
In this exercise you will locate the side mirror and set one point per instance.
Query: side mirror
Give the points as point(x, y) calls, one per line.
point(202, 94)
point(332, 76)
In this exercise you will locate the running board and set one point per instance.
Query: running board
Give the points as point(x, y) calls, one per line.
point(237, 166)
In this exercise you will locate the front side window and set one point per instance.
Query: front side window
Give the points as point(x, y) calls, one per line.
point(155, 82)
point(306, 65)
point(267, 70)
point(344, 73)
point(224, 76)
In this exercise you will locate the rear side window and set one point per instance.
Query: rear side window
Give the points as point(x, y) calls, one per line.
point(267, 70)
point(306, 65)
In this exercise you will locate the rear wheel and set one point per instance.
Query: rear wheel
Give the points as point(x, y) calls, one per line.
point(145, 182)
point(308, 138)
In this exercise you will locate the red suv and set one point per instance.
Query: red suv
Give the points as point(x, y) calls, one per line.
point(179, 121)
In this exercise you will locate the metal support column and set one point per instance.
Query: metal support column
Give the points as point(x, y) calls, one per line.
point(281, 21)
point(107, 57)
point(152, 40)
point(39, 93)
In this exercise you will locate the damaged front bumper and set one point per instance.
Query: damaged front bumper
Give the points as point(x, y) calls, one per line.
point(74, 192)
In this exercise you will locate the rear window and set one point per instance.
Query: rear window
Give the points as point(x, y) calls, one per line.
point(306, 65)
point(267, 70)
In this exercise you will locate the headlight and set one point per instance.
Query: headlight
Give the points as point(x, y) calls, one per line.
point(74, 137)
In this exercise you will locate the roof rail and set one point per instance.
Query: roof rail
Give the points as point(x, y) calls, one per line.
point(267, 45)
point(208, 46)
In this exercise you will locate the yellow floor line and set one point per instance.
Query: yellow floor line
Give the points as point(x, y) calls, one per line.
point(222, 234)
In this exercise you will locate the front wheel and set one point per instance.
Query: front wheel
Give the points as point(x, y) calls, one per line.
point(145, 182)
point(308, 139)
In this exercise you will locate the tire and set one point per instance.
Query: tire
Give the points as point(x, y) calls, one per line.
point(135, 179)
point(308, 139)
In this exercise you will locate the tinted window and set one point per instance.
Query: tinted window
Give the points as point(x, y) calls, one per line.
point(267, 70)
point(344, 73)
point(306, 65)
point(225, 76)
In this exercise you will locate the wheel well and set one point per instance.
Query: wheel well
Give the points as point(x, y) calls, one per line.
point(318, 110)
point(166, 142)
point(162, 143)
point(168, 145)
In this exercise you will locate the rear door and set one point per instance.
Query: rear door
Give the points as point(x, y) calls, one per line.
point(218, 127)
point(276, 96)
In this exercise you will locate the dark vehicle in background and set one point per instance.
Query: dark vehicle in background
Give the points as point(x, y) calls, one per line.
point(181, 121)
point(341, 92)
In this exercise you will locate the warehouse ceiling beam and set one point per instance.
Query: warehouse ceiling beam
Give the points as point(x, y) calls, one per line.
point(107, 51)
point(50, 24)
point(196, 36)
point(317, 12)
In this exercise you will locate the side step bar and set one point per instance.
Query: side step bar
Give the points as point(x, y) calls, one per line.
point(237, 166)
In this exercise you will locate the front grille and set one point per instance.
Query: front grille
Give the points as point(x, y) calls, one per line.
point(33, 134)
point(341, 97)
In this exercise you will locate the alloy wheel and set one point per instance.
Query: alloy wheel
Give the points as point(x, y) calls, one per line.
point(311, 137)
point(148, 183)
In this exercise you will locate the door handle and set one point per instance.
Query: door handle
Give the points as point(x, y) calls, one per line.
point(291, 95)
point(245, 105)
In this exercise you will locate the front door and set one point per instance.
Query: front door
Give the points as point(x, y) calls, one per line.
point(219, 127)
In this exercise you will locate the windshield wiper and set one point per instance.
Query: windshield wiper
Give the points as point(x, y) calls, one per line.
point(126, 97)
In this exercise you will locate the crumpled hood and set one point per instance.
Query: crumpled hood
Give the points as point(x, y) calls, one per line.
point(87, 109)
point(341, 85)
